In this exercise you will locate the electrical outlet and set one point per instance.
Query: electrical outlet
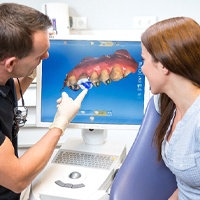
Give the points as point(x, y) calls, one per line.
point(79, 23)
point(142, 22)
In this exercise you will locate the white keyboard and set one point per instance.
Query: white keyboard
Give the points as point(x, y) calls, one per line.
point(85, 159)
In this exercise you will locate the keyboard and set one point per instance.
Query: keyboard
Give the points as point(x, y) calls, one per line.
point(93, 160)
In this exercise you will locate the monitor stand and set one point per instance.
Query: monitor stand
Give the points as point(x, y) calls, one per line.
point(94, 182)
point(94, 136)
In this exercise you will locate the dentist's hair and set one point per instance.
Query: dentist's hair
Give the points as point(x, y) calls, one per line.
point(18, 23)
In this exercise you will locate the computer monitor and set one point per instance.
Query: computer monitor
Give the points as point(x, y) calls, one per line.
point(118, 102)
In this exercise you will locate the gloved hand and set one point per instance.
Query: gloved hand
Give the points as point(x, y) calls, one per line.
point(67, 109)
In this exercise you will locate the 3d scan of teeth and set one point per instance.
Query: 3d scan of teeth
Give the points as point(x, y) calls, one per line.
point(106, 68)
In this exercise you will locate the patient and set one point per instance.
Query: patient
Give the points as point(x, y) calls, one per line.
point(170, 49)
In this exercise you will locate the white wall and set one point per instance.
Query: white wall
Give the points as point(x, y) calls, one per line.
point(118, 15)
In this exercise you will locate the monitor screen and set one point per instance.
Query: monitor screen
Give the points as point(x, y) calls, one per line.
point(119, 92)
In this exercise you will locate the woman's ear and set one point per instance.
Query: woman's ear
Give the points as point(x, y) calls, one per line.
point(163, 68)
point(9, 63)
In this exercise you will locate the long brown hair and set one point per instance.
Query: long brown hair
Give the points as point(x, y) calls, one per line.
point(174, 42)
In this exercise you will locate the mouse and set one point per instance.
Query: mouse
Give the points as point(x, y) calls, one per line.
point(74, 175)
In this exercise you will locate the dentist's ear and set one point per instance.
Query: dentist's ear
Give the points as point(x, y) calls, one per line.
point(9, 63)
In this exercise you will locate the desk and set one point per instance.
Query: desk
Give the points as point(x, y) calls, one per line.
point(96, 181)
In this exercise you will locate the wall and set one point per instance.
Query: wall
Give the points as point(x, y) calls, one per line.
point(118, 15)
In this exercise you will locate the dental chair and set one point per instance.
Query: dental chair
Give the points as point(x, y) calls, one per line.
point(141, 176)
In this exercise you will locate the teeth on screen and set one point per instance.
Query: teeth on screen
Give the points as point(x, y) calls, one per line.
point(84, 83)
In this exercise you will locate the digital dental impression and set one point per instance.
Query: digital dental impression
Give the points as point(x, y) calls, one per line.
point(91, 71)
